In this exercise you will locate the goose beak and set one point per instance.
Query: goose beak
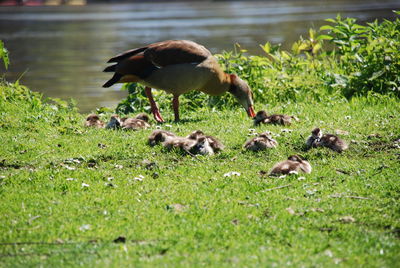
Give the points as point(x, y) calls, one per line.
point(250, 111)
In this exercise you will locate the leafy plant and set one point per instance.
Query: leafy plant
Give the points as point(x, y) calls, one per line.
point(368, 56)
point(4, 54)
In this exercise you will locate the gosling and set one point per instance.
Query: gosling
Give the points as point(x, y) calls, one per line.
point(202, 146)
point(184, 144)
point(314, 138)
point(262, 142)
point(114, 123)
point(93, 120)
point(159, 136)
point(134, 124)
point(293, 165)
point(215, 144)
point(276, 119)
point(330, 141)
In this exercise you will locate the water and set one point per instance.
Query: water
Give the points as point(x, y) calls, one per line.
point(61, 51)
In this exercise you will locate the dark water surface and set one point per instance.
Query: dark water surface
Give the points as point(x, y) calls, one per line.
point(62, 50)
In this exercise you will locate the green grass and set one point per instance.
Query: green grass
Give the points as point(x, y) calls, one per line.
point(226, 221)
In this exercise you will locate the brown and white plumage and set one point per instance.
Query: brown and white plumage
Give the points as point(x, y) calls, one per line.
point(214, 143)
point(114, 123)
point(128, 123)
point(181, 143)
point(278, 119)
point(159, 136)
point(134, 124)
point(261, 142)
point(314, 138)
point(93, 120)
point(177, 67)
point(333, 142)
point(294, 164)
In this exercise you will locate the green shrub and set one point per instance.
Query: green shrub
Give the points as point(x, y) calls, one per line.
point(4, 54)
point(368, 56)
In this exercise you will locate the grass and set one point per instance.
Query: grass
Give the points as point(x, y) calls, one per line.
point(251, 220)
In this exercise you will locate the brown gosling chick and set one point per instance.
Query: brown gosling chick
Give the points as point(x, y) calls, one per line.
point(143, 116)
point(314, 138)
point(332, 142)
point(179, 143)
point(115, 122)
point(158, 136)
point(134, 124)
point(261, 142)
point(93, 120)
point(202, 146)
point(276, 119)
point(294, 164)
point(215, 144)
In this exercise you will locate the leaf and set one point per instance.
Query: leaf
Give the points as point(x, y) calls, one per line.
point(316, 48)
point(325, 27)
point(324, 37)
point(377, 74)
point(331, 20)
point(266, 47)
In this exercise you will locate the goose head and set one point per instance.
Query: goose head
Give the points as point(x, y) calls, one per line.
point(243, 94)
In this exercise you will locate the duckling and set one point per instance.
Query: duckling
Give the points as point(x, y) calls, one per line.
point(276, 119)
point(314, 138)
point(202, 146)
point(115, 122)
point(294, 164)
point(215, 144)
point(143, 116)
point(261, 142)
point(180, 143)
point(332, 142)
point(158, 136)
point(93, 120)
point(134, 124)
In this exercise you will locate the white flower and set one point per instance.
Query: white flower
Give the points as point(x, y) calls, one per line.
point(84, 185)
point(119, 166)
point(71, 179)
point(232, 173)
point(139, 178)
point(69, 168)
point(110, 178)
point(85, 227)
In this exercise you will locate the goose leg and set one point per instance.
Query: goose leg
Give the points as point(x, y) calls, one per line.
point(153, 105)
point(175, 105)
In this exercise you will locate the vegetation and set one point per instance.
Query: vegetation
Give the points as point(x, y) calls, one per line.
point(68, 193)
point(75, 196)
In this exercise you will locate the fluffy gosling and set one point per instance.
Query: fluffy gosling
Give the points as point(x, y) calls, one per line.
point(330, 141)
point(159, 136)
point(114, 123)
point(314, 138)
point(215, 144)
point(262, 142)
point(294, 164)
point(276, 119)
point(93, 120)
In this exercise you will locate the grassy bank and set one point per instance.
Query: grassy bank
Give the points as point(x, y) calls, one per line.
point(60, 208)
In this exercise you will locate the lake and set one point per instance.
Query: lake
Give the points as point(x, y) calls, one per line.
point(61, 51)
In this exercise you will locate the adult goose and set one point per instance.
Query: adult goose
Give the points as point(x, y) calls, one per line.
point(177, 67)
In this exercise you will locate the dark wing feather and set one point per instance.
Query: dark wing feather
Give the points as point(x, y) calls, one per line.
point(126, 54)
point(176, 52)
